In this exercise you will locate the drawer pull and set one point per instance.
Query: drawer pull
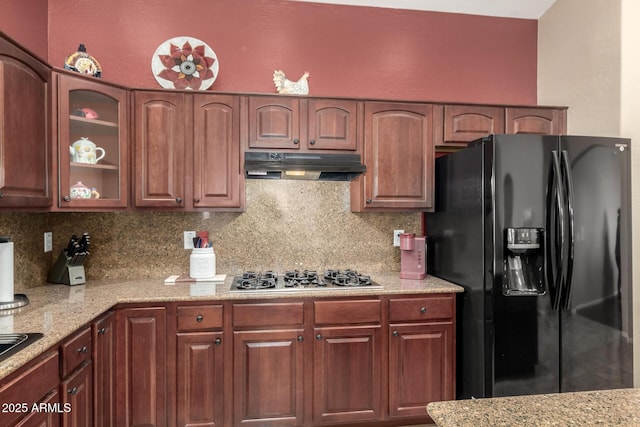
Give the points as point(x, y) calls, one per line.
point(300, 338)
point(199, 318)
point(82, 349)
point(73, 390)
point(319, 337)
point(218, 341)
point(395, 333)
point(423, 309)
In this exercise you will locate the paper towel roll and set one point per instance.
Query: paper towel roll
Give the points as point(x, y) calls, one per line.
point(6, 272)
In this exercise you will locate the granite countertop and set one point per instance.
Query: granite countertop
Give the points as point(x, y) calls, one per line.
point(605, 407)
point(59, 310)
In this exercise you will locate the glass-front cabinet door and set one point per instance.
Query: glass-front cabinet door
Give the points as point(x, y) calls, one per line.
point(92, 144)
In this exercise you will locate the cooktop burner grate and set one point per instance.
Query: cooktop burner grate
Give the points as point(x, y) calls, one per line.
point(293, 280)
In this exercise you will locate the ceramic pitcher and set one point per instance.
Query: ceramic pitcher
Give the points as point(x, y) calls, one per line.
point(84, 151)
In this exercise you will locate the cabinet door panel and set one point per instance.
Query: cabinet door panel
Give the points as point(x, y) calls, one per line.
point(268, 378)
point(24, 130)
point(332, 124)
point(217, 177)
point(77, 393)
point(104, 364)
point(274, 122)
point(200, 386)
point(44, 418)
point(141, 367)
point(347, 375)
point(464, 123)
point(399, 155)
point(420, 367)
point(546, 121)
point(160, 149)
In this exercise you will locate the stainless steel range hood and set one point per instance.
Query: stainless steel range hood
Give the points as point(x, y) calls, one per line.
point(309, 166)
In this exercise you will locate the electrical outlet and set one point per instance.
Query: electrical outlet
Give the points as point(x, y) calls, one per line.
point(48, 241)
point(188, 239)
point(396, 237)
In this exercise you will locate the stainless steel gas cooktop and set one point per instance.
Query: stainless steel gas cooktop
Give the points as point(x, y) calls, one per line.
point(297, 280)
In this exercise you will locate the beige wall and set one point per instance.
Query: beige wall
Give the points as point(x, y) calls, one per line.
point(589, 60)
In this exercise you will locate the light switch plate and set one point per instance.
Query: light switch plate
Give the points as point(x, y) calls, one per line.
point(188, 239)
point(48, 241)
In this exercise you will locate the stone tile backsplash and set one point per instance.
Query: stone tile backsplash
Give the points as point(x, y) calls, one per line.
point(287, 224)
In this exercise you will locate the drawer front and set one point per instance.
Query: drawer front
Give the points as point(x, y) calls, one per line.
point(350, 312)
point(429, 308)
point(199, 318)
point(268, 314)
point(76, 351)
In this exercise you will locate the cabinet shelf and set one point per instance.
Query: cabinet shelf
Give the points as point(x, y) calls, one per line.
point(96, 166)
point(92, 121)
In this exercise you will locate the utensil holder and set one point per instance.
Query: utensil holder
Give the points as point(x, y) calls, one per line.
point(65, 272)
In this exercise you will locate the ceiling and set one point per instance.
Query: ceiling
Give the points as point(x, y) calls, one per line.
point(526, 9)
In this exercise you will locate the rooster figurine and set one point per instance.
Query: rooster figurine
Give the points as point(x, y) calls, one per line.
point(286, 86)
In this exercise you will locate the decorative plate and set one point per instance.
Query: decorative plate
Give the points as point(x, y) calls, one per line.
point(185, 63)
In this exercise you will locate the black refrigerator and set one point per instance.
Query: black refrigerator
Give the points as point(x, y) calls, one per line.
point(537, 229)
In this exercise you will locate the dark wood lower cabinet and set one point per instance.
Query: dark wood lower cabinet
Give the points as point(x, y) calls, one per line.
point(200, 382)
point(50, 418)
point(420, 367)
point(76, 393)
point(347, 381)
point(268, 378)
point(141, 367)
point(104, 364)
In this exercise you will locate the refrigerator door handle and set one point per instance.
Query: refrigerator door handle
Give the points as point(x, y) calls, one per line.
point(555, 231)
point(570, 243)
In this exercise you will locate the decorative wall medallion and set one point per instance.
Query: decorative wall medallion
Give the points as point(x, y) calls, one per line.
point(185, 63)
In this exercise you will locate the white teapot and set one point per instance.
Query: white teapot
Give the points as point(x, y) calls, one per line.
point(84, 151)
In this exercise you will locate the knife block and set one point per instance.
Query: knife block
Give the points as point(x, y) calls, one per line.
point(64, 272)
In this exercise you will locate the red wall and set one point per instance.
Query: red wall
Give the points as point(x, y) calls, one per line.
point(349, 51)
point(26, 23)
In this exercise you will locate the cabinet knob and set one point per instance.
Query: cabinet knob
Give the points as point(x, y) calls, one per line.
point(196, 201)
point(218, 341)
point(82, 349)
point(73, 390)
point(178, 199)
point(319, 337)
point(312, 142)
point(296, 141)
point(102, 331)
point(1, 195)
point(66, 198)
point(369, 201)
point(199, 318)
point(423, 309)
point(395, 333)
point(300, 338)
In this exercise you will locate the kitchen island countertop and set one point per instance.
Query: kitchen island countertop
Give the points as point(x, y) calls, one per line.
point(59, 310)
point(604, 407)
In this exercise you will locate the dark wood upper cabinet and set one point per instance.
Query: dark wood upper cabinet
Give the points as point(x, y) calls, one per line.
point(25, 129)
point(107, 178)
point(295, 123)
point(160, 166)
point(399, 155)
point(538, 120)
point(464, 123)
point(187, 151)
